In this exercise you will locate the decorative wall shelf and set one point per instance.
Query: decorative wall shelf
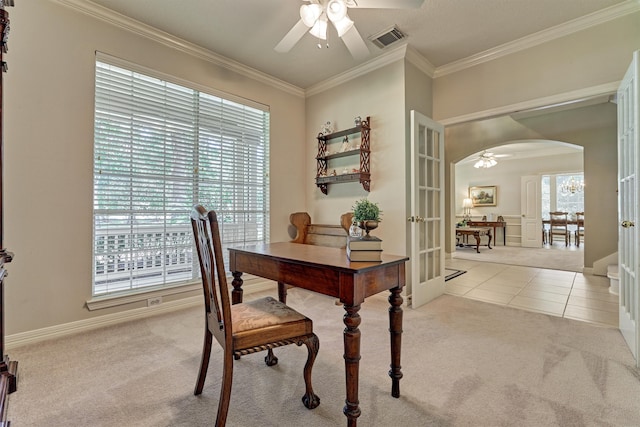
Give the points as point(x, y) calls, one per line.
point(323, 178)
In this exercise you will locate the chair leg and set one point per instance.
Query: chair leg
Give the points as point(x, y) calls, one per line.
point(225, 389)
point(310, 400)
point(204, 363)
point(270, 359)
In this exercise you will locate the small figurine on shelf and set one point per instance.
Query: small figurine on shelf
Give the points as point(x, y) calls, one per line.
point(345, 145)
point(326, 128)
point(334, 173)
point(345, 171)
point(357, 121)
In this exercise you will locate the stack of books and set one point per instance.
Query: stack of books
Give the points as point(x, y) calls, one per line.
point(361, 249)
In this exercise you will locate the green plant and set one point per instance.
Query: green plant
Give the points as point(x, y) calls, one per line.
point(364, 210)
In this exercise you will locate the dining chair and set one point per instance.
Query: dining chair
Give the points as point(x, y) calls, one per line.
point(559, 226)
point(579, 232)
point(244, 328)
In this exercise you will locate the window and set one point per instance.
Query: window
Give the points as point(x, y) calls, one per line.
point(160, 148)
point(563, 192)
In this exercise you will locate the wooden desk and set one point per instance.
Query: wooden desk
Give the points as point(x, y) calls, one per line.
point(494, 224)
point(476, 232)
point(328, 271)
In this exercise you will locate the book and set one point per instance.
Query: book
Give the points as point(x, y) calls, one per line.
point(364, 255)
point(371, 244)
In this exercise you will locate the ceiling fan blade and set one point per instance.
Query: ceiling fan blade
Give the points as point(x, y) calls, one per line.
point(292, 37)
point(355, 44)
point(385, 4)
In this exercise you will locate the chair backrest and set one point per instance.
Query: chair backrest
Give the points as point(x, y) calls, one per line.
point(321, 234)
point(216, 298)
point(580, 220)
point(558, 221)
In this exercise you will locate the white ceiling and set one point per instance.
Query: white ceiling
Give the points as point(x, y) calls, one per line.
point(442, 31)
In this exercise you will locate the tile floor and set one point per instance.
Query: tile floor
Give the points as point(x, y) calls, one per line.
point(558, 293)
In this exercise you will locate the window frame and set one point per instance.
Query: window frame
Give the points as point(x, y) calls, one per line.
point(260, 209)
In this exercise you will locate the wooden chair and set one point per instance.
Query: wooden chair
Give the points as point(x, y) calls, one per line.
point(559, 226)
point(579, 227)
point(243, 328)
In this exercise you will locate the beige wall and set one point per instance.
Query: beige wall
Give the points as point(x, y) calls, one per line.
point(380, 95)
point(591, 57)
point(48, 102)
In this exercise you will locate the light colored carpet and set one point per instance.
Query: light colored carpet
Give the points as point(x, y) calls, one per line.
point(465, 363)
point(555, 258)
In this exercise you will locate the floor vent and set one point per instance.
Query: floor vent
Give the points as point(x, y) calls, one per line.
point(387, 37)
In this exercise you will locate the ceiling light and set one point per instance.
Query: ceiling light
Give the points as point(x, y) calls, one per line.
point(320, 27)
point(486, 160)
point(310, 13)
point(336, 10)
point(343, 25)
point(572, 186)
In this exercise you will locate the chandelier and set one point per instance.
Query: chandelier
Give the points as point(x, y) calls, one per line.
point(486, 160)
point(572, 186)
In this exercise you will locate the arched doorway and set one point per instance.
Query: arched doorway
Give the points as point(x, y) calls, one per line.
point(548, 160)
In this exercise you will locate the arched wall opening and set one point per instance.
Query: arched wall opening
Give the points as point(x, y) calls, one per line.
point(591, 126)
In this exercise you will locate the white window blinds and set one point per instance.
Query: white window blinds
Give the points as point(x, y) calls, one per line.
point(160, 148)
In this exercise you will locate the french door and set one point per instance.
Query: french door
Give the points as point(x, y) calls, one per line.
point(427, 209)
point(629, 195)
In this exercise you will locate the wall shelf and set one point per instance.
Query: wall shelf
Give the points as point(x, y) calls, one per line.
point(323, 179)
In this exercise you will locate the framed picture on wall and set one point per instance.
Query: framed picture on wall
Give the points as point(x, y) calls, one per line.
point(484, 196)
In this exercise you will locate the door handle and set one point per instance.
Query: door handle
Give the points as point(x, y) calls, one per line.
point(627, 224)
point(416, 219)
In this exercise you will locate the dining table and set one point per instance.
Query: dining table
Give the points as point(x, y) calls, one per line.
point(328, 271)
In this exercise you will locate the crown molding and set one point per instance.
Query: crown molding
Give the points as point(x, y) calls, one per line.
point(96, 11)
point(596, 18)
point(423, 64)
point(391, 56)
point(547, 101)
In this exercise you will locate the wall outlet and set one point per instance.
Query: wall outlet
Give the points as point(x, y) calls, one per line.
point(152, 302)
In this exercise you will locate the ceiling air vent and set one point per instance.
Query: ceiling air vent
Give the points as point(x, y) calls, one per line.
point(387, 37)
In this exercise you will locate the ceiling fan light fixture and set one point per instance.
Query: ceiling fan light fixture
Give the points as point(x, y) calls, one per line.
point(485, 161)
point(343, 25)
point(319, 29)
point(310, 13)
point(336, 10)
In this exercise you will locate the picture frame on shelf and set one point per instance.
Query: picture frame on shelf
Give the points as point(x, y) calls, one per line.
point(484, 195)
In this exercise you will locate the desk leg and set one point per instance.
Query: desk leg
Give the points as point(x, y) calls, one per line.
point(236, 294)
point(395, 330)
point(352, 363)
point(489, 244)
point(477, 236)
point(282, 292)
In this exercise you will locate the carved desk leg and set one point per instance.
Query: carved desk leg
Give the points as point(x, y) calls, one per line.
point(395, 331)
point(489, 244)
point(352, 363)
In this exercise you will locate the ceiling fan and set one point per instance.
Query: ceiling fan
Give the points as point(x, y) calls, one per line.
point(315, 16)
point(487, 160)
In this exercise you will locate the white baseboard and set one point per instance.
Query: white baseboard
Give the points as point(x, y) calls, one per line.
point(79, 326)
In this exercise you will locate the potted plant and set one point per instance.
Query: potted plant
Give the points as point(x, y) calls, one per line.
point(366, 215)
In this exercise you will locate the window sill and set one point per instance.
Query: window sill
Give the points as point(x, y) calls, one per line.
point(107, 301)
point(251, 284)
